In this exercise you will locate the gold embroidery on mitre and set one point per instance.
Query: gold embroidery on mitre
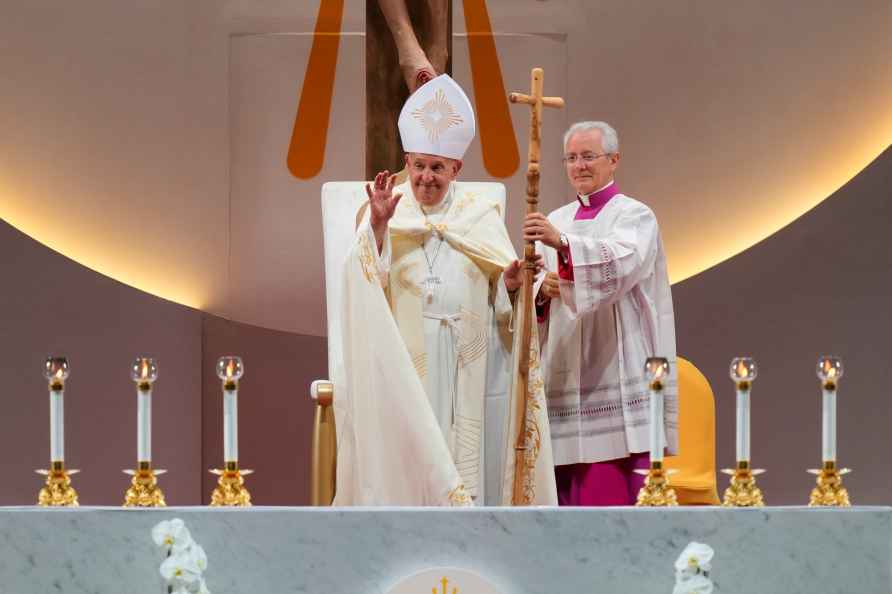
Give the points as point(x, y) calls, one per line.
point(436, 116)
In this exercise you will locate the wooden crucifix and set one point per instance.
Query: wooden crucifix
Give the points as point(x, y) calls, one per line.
point(386, 92)
point(536, 101)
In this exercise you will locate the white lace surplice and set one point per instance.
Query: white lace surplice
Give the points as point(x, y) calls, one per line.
point(616, 314)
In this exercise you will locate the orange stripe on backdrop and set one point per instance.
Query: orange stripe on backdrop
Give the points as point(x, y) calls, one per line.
point(497, 138)
point(306, 153)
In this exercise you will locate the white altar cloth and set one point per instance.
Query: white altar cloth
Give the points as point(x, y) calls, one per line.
point(786, 550)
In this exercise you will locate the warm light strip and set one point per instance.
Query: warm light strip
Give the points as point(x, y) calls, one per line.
point(108, 262)
point(811, 188)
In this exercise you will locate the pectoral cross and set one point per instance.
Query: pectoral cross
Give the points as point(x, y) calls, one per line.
point(536, 101)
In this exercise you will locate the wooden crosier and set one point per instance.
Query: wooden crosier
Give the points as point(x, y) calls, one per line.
point(536, 102)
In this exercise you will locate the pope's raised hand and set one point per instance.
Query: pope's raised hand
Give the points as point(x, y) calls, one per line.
point(382, 203)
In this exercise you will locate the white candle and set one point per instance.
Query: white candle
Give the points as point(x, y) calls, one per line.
point(830, 371)
point(743, 425)
point(230, 424)
point(656, 426)
point(144, 425)
point(742, 372)
point(828, 434)
point(57, 426)
point(144, 372)
point(230, 370)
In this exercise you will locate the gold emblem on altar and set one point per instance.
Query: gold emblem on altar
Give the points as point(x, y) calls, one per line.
point(436, 116)
point(444, 580)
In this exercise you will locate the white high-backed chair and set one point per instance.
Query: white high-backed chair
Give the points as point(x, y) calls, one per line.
point(341, 202)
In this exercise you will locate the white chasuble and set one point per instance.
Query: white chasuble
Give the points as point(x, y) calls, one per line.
point(615, 314)
point(427, 357)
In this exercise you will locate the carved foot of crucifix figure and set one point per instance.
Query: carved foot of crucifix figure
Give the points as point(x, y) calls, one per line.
point(418, 66)
point(407, 44)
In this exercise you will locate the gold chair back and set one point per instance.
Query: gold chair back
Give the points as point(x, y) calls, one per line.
point(695, 481)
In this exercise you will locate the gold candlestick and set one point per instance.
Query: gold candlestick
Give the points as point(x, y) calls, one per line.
point(829, 491)
point(656, 491)
point(58, 490)
point(230, 489)
point(743, 492)
point(144, 490)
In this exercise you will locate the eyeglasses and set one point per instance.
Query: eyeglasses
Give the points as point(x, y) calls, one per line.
point(585, 157)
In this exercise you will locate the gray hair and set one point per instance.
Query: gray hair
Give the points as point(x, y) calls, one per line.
point(609, 139)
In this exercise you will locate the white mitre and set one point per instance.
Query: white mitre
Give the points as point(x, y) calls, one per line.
point(438, 119)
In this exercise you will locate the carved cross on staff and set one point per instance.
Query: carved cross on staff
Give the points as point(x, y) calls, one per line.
point(536, 102)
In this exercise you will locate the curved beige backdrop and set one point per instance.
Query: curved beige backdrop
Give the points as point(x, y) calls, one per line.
point(776, 301)
point(148, 141)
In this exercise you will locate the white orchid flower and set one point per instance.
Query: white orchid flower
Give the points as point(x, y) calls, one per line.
point(698, 584)
point(695, 559)
point(203, 587)
point(180, 567)
point(172, 534)
point(198, 557)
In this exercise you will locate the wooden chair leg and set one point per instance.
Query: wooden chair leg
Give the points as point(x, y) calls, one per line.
point(324, 455)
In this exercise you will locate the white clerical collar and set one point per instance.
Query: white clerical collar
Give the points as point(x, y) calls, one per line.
point(585, 199)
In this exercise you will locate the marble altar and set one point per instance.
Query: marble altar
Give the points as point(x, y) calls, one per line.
point(788, 550)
